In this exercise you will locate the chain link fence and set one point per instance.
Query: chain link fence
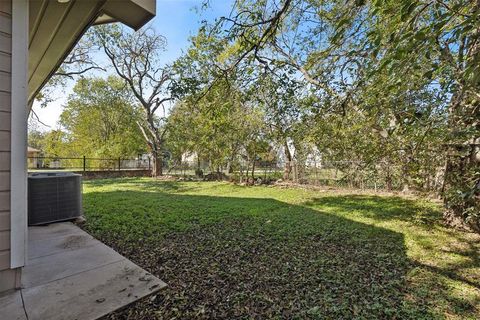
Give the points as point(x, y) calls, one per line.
point(345, 174)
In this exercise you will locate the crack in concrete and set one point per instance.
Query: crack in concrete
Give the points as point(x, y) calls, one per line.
point(23, 304)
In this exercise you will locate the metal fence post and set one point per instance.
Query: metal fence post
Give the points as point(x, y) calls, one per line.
point(119, 164)
point(84, 163)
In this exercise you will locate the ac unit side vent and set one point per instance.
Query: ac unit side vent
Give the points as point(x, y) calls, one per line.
point(54, 196)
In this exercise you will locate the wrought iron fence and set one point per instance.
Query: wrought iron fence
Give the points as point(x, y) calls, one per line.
point(87, 164)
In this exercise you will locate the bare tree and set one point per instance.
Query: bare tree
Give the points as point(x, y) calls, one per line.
point(135, 57)
point(77, 63)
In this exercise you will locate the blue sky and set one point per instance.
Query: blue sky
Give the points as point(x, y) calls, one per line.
point(177, 20)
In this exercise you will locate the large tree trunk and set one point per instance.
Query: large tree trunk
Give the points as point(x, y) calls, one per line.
point(388, 177)
point(253, 169)
point(405, 176)
point(198, 170)
point(154, 141)
point(288, 162)
point(157, 167)
point(461, 190)
point(462, 186)
point(300, 161)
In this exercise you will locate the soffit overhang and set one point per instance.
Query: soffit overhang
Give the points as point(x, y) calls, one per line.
point(55, 28)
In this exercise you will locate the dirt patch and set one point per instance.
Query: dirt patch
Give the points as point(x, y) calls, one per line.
point(354, 191)
point(74, 242)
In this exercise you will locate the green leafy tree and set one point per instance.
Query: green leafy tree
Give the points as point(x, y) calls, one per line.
point(136, 59)
point(390, 81)
point(55, 144)
point(99, 118)
point(224, 127)
point(440, 42)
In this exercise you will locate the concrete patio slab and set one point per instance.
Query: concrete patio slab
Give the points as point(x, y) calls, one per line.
point(70, 275)
point(67, 263)
point(91, 294)
point(11, 306)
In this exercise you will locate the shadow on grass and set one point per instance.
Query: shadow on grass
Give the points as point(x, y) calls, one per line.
point(227, 258)
point(399, 209)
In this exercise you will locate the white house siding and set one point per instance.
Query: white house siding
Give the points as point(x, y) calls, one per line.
point(7, 276)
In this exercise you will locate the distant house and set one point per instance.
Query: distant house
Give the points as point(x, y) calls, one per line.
point(32, 156)
point(191, 158)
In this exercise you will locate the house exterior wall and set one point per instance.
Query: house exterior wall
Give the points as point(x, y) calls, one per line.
point(7, 276)
point(10, 261)
point(18, 141)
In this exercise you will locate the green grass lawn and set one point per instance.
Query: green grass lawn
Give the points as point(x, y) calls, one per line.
point(237, 252)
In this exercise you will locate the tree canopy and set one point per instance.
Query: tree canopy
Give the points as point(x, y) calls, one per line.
point(98, 118)
point(385, 84)
point(388, 88)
